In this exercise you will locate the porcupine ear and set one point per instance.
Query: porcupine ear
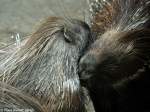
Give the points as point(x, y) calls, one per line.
point(69, 36)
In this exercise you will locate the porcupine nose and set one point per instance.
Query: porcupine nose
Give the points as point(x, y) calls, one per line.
point(86, 66)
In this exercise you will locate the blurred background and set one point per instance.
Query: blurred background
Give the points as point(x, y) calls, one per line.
point(21, 16)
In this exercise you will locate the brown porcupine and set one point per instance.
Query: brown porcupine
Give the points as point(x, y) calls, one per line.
point(115, 68)
point(42, 75)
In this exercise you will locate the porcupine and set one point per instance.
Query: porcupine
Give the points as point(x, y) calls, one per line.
point(42, 75)
point(115, 68)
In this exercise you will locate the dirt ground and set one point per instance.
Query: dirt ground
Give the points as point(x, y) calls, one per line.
point(22, 16)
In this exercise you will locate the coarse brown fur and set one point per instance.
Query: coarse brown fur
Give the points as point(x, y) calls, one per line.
point(42, 74)
point(115, 68)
